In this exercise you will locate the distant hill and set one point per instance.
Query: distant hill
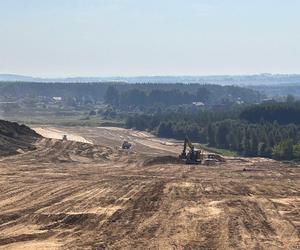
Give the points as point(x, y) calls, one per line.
point(21, 78)
point(16, 78)
point(242, 80)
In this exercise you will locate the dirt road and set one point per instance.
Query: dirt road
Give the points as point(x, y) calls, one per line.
point(74, 195)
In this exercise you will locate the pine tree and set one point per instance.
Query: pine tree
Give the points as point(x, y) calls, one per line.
point(283, 150)
point(221, 136)
point(211, 135)
point(112, 96)
point(246, 146)
point(233, 141)
point(254, 143)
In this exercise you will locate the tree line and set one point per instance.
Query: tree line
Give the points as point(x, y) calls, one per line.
point(178, 95)
point(284, 113)
point(262, 139)
point(227, 130)
point(131, 94)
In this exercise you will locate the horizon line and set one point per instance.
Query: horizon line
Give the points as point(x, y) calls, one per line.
point(148, 76)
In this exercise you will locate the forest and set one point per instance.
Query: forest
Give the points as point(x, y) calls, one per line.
point(125, 94)
point(284, 113)
point(270, 130)
point(175, 94)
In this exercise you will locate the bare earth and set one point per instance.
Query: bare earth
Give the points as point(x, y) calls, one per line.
point(74, 195)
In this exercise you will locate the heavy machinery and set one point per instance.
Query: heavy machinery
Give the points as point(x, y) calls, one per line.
point(192, 156)
point(197, 156)
point(126, 145)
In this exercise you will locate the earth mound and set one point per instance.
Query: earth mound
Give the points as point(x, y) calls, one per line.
point(52, 150)
point(162, 160)
point(16, 138)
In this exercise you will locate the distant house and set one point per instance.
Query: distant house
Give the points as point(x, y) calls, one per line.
point(268, 100)
point(57, 98)
point(198, 104)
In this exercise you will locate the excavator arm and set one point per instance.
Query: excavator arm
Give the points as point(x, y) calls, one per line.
point(187, 143)
point(191, 146)
point(183, 154)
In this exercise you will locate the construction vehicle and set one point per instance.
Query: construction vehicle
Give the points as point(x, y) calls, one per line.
point(197, 156)
point(126, 145)
point(192, 156)
point(212, 159)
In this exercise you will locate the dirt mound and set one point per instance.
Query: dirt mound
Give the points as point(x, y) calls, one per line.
point(52, 150)
point(162, 160)
point(15, 138)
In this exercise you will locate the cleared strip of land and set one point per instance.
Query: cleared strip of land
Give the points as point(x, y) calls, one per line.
point(74, 195)
point(55, 133)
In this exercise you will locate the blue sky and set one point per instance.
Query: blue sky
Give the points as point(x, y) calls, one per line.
point(155, 37)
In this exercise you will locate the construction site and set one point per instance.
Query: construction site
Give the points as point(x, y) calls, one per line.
point(112, 188)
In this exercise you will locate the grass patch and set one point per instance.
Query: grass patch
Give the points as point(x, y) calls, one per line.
point(77, 119)
point(219, 151)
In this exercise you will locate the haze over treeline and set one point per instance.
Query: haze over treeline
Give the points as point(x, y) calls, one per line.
point(256, 79)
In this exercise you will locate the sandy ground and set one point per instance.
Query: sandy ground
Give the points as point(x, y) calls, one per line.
point(73, 195)
point(55, 133)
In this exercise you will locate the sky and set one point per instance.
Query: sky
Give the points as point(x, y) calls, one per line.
point(60, 38)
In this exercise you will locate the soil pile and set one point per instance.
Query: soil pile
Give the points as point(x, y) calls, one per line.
point(162, 160)
point(16, 138)
point(52, 150)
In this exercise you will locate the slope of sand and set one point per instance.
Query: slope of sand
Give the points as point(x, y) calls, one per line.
point(72, 195)
point(16, 138)
point(55, 133)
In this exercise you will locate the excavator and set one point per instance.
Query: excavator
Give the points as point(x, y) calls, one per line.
point(197, 156)
point(192, 156)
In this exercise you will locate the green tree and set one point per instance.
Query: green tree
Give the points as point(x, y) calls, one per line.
point(211, 135)
point(283, 150)
point(246, 144)
point(233, 141)
point(254, 143)
point(112, 96)
point(165, 129)
point(221, 135)
point(203, 95)
point(296, 151)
